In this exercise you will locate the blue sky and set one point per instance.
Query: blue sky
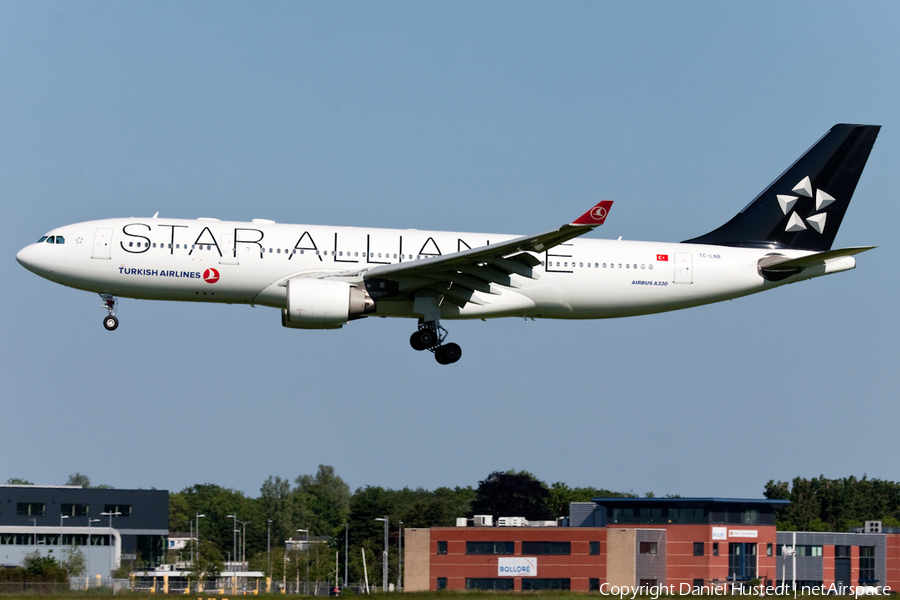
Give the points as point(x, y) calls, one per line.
point(508, 117)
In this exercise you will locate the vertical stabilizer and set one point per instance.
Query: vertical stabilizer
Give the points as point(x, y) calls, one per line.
point(803, 208)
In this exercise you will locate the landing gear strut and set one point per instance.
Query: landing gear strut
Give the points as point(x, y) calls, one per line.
point(430, 336)
point(109, 303)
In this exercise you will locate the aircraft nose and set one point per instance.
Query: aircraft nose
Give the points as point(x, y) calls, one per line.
point(27, 257)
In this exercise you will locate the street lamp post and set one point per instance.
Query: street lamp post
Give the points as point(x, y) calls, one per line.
point(244, 541)
point(34, 519)
point(384, 556)
point(90, 520)
point(61, 517)
point(346, 547)
point(112, 551)
point(234, 535)
point(199, 584)
point(269, 551)
point(400, 560)
point(305, 583)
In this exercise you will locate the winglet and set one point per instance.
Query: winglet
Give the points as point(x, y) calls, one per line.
point(595, 216)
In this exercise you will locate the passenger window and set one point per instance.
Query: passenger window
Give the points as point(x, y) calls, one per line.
point(60, 239)
point(620, 265)
point(580, 264)
point(279, 251)
point(627, 266)
point(604, 265)
point(651, 267)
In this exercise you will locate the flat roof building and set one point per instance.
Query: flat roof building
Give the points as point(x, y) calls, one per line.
point(108, 525)
point(681, 543)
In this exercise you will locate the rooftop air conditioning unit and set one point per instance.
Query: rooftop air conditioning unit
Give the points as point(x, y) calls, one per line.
point(483, 520)
point(512, 522)
point(873, 527)
point(462, 522)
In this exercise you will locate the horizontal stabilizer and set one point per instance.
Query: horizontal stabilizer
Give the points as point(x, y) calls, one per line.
point(776, 267)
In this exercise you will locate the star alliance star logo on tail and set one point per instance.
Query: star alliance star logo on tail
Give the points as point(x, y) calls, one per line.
point(795, 222)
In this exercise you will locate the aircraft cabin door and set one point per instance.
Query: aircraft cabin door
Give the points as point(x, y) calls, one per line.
point(102, 244)
point(683, 268)
point(229, 250)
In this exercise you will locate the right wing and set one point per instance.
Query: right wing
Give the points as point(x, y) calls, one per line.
point(457, 276)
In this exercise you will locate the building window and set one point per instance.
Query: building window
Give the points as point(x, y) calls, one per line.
point(75, 510)
point(866, 564)
point(595, 548)
point(560, 548)
point(768, 549)
point(842, 551)
point(698, 548)
point(807, 550)
point(124, 510)
point(594, 584)
point(648, 548)
point(698, 583)
point(442, 548)
point(535, 583)
point(484, 583)
point(646, 582)
point(489, 548)
point(715, 548)
point(31, 509)
point(442, 583)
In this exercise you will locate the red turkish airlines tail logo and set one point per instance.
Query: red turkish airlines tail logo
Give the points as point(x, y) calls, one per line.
point(210, 276)
point(595, 216)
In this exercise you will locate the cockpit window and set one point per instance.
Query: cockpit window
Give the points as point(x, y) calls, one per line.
point(60, 239)
point(43, 239)
point(51, 239)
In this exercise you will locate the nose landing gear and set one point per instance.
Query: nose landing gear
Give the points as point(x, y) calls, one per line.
point(430, 336)
point(110, 322)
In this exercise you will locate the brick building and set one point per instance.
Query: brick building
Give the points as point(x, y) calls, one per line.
point(676, 542)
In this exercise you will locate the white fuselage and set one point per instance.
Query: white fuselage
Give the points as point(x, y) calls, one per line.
point(249, 263)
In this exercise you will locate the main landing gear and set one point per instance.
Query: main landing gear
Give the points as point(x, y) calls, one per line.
point(430, 336)
point(109, 303)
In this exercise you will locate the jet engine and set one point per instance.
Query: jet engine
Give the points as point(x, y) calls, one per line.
point(324, 303)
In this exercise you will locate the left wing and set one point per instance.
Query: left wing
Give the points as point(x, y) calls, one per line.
point(458, 276)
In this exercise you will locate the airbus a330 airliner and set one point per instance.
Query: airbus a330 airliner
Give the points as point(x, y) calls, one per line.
point(323, 277)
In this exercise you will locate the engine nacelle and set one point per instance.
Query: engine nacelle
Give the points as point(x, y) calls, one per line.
point(323, 303)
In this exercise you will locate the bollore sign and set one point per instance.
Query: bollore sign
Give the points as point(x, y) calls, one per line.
point(523, 566)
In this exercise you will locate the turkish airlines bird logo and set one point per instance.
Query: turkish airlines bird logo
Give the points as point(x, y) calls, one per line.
point(210, 276)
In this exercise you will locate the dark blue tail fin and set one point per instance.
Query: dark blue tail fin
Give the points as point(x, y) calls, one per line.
point(803, 208)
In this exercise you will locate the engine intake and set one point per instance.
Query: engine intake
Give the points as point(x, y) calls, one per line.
point(324, 303)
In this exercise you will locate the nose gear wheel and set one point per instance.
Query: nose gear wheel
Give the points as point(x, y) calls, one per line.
point(110, 322)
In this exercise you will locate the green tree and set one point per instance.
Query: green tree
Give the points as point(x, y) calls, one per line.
point(512, 494)
point(79, 479)
point(74, 561)
point(822, 504)
point(561, 495)
point(17, 481)
point(208, 560)
point(322, 502)
point(276, 504)
point(43, 568)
